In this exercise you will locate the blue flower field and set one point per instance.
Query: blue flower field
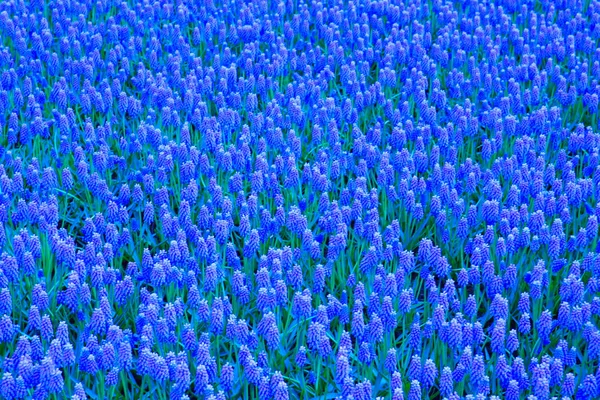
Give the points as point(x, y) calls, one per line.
point(298, 199)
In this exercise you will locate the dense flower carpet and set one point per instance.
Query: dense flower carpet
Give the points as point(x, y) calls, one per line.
point(336, 199)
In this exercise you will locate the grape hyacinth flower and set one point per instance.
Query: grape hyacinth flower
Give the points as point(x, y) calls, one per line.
point(288, 200)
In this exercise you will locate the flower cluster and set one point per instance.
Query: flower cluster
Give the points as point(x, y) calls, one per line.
point(293, 199)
